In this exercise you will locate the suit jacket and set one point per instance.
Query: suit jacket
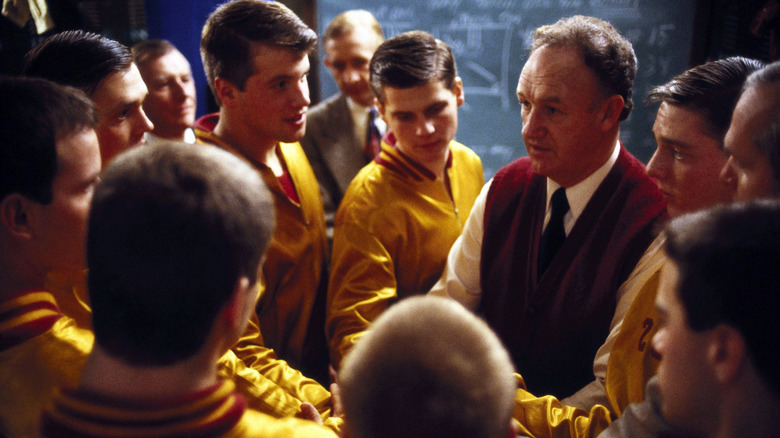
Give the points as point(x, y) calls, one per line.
point(334, 151)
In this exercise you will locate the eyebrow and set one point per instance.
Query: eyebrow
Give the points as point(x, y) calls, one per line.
point(675, 142)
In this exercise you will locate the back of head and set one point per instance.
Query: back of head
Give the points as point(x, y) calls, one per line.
point(347, 21)
point(34, 116)
point(149, 50)
point(728, 262)
point(608, 54)
point(767, 139)
point(77, 58)
point(173, 227)
point(234, 29)
point(427, 367)
point(711, 89)
point(409, 60)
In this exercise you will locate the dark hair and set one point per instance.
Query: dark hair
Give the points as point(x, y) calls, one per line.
point(710, 89)
point(409, 60)
point(728, 261)
point(149, 50)
point(171, 230)
point(34, 116)
point(227, 44)
point(610, 56)
point(767, 138)
point(77, 58)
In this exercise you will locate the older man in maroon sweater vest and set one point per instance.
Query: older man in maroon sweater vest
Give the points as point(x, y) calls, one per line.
point(551, 302)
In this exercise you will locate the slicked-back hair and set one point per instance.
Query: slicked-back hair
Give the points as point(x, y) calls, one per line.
point(428, 367)
point(711, 90)
point(409, 60)
point(347, 21)
point(767, 137)
point(149, 50)
point(77, 58)
point(34, 116)
point(233, 31)
point(172, 229)
point(605, 52)
point(728, 263)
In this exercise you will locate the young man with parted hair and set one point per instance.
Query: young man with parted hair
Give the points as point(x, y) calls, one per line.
point(691, 122)
point(261, 86)
point(171, 101)
point(343, 132)
point(49, 164)
point(104, 69)
point(427, 368)
point(403, 211)
point(719, 339)
point(175, 238)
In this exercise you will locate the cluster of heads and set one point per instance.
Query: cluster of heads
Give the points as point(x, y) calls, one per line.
point(196, 245)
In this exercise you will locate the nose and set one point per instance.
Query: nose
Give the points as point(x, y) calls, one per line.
point(425, 128)
point(179, 90)
point(300, 96)
point(142, 123)
point(532, 125)
point(351, 75)
point(655, 167)
point(728, 175)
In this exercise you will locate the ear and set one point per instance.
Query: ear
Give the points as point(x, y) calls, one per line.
point(457, 90)
point(235, 313)
point(727, 353)
point(380, 108)
point(226, 91)
point(609, 113)
point(15, 216)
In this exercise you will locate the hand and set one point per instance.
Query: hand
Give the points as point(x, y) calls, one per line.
point(309, 412)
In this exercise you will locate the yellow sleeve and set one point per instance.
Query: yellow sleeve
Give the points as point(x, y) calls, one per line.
point(362, 286)
point(547, 417)
point(271, 385)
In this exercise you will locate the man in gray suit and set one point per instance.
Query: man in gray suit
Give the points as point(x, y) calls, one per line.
point(338, 140)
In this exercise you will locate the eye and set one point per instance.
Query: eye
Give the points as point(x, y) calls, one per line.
point(677, 154)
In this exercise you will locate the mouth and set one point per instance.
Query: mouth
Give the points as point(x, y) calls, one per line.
point(298, 119)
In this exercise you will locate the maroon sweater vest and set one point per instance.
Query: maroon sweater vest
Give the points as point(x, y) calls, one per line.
point(554, 325)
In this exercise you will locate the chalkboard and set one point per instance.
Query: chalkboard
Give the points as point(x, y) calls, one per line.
point(490, 40)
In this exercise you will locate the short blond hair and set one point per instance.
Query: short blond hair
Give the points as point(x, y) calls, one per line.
point(347, 21)
point(428, 367)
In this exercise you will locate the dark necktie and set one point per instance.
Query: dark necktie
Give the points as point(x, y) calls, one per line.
point(373, 137)
point(554, 234)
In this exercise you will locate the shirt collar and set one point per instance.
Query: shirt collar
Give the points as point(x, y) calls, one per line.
point(579, 194)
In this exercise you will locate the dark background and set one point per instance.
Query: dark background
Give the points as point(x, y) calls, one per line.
point(489, 39)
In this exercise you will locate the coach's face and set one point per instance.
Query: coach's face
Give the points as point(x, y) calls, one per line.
point(568, 122)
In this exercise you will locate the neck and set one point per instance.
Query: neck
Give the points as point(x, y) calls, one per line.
point(170, 134)
point(17, 276)
point(245, 140)
point(110, 377)
point(750, 413)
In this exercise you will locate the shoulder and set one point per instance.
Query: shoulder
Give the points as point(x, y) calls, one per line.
point(514, 175)
point(463, 152)
point(254, 423)
point(337, 102)
point(634, 180)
